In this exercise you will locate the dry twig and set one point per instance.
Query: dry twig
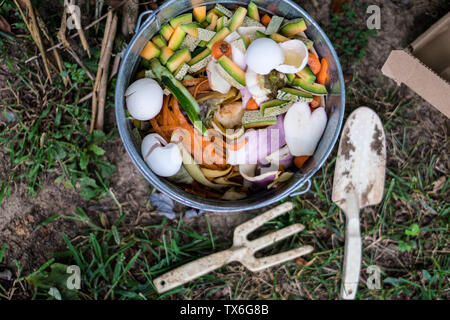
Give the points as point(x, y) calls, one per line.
point(70, 8)
point(33, 28)
point(57, 56)
point(100, 70)
point(104, 64)
point(60, 44)
point(130, 12)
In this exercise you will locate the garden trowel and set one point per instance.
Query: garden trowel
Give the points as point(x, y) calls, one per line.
point(358, 183)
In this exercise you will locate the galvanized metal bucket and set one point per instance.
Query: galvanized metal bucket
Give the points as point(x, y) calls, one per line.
point(149, 24)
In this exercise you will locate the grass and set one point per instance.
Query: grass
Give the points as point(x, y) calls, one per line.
point(406, 236)
point(49, 133)
point(350, 36)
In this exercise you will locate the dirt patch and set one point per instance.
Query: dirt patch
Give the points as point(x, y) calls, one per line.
point(365, 194)
point(377, 142)
point(347, 146)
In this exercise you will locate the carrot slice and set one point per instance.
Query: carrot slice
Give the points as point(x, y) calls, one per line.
point(236, 146)
point(172, 127)
point(252, 105)
point(265, 20)
point(221, 48)
point(173, 104)
point(314, 63)
point(300, 161)
point(198, 87)
point(316, 102)
point(165, 111)
point(177, 113)
point(322, 77)
point(157, 129)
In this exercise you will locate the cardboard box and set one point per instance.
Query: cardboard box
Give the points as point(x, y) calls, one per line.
point(425, 66)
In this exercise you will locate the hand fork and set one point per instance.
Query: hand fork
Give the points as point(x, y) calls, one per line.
point(242, 251)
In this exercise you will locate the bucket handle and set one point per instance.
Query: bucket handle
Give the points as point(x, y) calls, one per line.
point(305, 188)
point(141, 17)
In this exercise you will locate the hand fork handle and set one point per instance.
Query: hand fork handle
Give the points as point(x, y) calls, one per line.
point(192, 270)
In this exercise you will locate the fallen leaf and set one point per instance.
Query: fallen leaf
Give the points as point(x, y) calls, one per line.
point(164, 205)
point(4, 25)
point(338, 6)
point(192, 213)
point(437, 185)
point(301, 262)
point(6, 275)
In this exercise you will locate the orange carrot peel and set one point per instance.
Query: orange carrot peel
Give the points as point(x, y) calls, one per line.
point(314, 63)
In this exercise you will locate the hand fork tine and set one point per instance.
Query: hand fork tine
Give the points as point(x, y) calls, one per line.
point(273, 237)
point(259, 264)
point(242, 231)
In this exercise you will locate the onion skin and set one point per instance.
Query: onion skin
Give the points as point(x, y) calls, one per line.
point(232, 194)
point(247, 171)
point(282, 157)
point(260, 144)
point(216, 173)
point(246, 96)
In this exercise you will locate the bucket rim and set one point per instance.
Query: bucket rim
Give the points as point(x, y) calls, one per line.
point(177, 195)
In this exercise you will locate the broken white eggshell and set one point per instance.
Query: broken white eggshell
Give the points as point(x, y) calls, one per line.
point(295, 56)
point(237, 55)
point(256, 87)
point(164, 159)
point(303, 129)
point(144, 99)
point(263, 55)
point(216, 81)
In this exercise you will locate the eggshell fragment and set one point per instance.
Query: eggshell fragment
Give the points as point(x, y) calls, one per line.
point(303, 129)
point(295, 56)
point(216, 81)
point(263, 55)
point(164, 159)
point(144, 99)
point(237, 55)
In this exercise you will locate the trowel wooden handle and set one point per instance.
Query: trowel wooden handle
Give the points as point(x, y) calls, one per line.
point(191, 271)
point(352, 259)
